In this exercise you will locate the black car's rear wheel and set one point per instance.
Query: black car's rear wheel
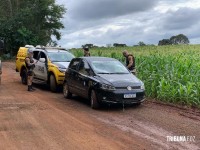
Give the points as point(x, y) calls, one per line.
point(93, 100)
point(66, 92)
point(24, 76)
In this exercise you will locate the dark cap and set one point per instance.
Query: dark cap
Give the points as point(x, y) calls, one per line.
point(86, 49)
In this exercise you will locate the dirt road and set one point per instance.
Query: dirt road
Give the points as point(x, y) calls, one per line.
point(45, 120)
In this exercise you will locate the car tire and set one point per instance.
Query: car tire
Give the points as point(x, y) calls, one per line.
point(53, 85)
point(24, 77)
point(66, 92)
point(93, 100)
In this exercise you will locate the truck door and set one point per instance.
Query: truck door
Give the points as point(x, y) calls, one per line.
point(40, 70)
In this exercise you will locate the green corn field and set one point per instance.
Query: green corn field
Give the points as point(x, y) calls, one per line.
point(170, 73)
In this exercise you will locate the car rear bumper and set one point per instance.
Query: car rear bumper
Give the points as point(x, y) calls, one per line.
point(117, 97)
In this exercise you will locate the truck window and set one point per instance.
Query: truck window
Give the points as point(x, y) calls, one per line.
point(35, 54)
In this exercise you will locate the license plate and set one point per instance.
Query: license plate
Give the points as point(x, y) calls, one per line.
point(129, 95)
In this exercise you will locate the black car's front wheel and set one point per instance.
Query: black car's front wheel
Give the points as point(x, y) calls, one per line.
point(93, 100)
point(66, 92)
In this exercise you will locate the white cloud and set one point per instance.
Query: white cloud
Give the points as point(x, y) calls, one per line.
point(129, 21)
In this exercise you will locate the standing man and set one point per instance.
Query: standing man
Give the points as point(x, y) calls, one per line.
point(30, 65)
point(130, 61)
point(86, 52)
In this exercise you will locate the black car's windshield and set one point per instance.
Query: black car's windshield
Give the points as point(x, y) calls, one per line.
point(109, 67)
point(60, 56)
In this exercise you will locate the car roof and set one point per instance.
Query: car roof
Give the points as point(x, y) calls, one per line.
point(56, 50)
point(51, 50)
point(97, 58)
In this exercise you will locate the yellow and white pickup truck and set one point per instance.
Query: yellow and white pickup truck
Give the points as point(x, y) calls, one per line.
point(50, 68)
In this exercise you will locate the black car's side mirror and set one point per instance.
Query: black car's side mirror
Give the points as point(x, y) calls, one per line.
point(89, 71)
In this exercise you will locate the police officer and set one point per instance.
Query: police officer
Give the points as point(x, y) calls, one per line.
point(130, 61)
point(30, 65)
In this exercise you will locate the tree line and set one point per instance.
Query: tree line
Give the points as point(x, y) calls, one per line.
point(29, 22)
point(174, 40)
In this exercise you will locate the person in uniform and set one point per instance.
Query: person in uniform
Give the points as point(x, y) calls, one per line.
point(86, 52)
point(130, 61)
point(30, 65)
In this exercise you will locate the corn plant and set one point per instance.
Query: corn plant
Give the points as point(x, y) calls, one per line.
point(170, 73)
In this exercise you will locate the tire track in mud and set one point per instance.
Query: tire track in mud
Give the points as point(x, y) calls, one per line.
point(149, 132)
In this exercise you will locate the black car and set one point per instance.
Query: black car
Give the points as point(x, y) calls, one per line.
point(102, 80)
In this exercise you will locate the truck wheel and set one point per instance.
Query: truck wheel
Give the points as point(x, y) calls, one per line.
point(24, 77)
point(66, 92)
point(53, 85)
point(93, 100)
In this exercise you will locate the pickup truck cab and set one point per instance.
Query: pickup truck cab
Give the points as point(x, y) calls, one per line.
point(50, 68)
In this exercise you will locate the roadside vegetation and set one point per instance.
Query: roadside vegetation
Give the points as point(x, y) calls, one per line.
point(170, 73)
point(29, 22)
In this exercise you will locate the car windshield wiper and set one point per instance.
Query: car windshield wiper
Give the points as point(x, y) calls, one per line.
point(112, 73)
point(103, 73)
point(119, 73)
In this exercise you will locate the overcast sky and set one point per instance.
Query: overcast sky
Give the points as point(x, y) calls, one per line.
point(102, 22)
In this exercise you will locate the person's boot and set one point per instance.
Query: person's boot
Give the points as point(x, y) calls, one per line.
point(32, 88)
point(29, 88)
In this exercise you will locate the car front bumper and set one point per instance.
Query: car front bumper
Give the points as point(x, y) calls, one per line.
point(117, 96)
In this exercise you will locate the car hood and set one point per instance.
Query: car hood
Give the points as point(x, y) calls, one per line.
point(119, 80)
point(62, 64)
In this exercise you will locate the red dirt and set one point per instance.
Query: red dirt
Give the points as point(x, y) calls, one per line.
point(45, 120)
